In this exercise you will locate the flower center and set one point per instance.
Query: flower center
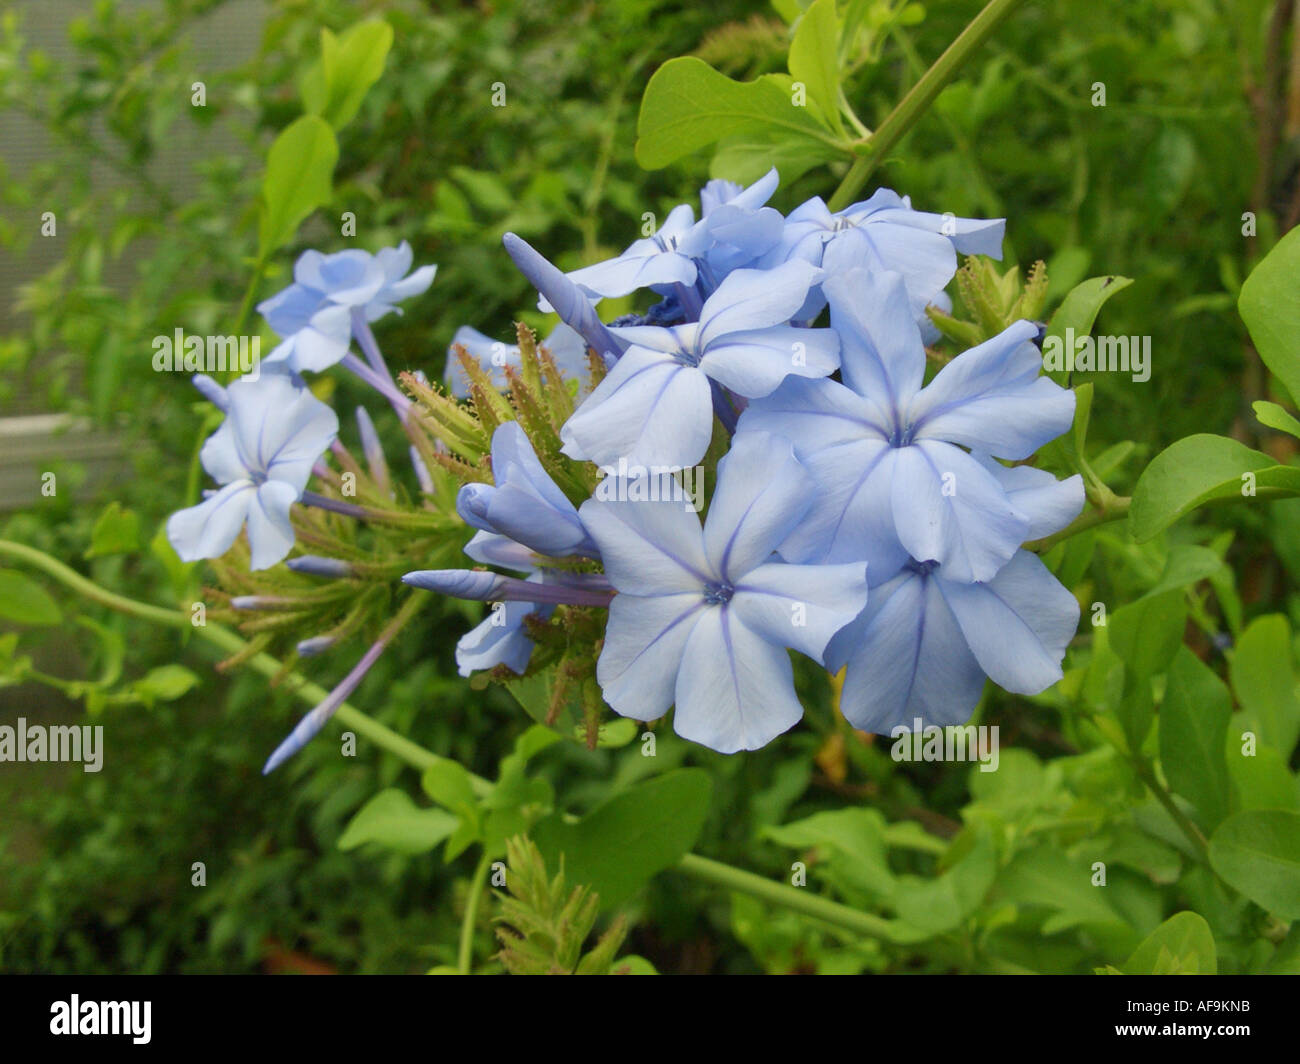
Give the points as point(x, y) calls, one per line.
point(718, 594)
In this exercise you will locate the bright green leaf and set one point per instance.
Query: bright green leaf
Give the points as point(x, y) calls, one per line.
point(1199, 469)
point(1258, 853)
point(391, 820)
point(298, 179)
point(24, 601)
point(1193, 726)
point(1269, 304)
point(1182, 945)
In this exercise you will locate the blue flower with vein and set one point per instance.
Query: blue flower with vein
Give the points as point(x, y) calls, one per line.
point(703, 617)
point(655, 407)
point(314, 315)
point(924, 644)
point(885, 233)
point(887, 454)
point(262, 455)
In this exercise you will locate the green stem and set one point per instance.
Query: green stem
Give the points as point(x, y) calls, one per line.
point(465, 956)
point(1193, 833)
point(700, 868)
point(1115, 508)
point(722, 875)
point(311, 693)
point(904, 116)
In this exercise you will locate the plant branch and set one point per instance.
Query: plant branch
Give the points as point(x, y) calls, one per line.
point(909, 110)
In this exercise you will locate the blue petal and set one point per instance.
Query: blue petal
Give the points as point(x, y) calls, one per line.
point(906, 659)
point(761, 495)
point(1047, 503)
point(564, 296)
point(992, 398)
point(800, 606)
point(882, 355)
point(926, 261)
point(279, 428)
point(1018, 624)
point(650, 410)
point(755, 299)
point(950, 509)
point(754, 363)
point(852, 517)
point(642, 653)
point(270, 534)
point(816, 414)
point(735, 690)
point(208, 529)
point(647, 548)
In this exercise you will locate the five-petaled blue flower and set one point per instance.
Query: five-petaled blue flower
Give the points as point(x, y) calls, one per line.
point(922, 647)
point(262, 455)
point(703, 617)
point(882, 449)
point(885, 233)
point(655, 406)
point(314, 314)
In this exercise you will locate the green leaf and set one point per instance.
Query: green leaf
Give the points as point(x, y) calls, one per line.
point(1275, 417)
point(1078, 312)
point(941, 903)
point(850, 848)
point(636, 834)
point(391, 820)
point(1193, 729)
point(1261, 778)
point(815, 61)
point(1257, 852)
point(688, 106)
point(24, 601)
point(1263, 679)
point(336, 84)
point(1147, 633)
point(298, 179)
point(116, 531)
point(1199, 469)
point(1182, 945)
point(165, 683)
point(1269, 304)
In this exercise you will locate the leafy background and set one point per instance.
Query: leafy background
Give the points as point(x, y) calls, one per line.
point(960, 870)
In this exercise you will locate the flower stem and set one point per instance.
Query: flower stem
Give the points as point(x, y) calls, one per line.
point(912, 106)
point(703, 869)
point(465, 955)
point(718, 874)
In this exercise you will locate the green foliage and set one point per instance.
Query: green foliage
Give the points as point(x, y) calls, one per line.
point(1144, 814)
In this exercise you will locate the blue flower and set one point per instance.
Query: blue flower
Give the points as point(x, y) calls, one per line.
point(524, 505)
point(703, 617)
point(567, 348)
point(655, 406)
point(262, 455)
point(885, 233)
point(740, 229)
point(666, 258)
point(882, 449)
point(924, 644)
point(315, 313)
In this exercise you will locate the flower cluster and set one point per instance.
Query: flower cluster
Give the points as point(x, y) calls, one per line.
point(859, 515)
